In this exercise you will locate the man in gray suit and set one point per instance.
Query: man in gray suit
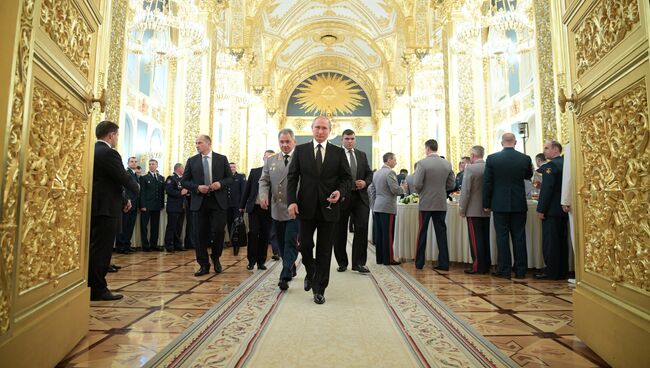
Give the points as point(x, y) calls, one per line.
point(410, 182)
point(471, 206)
point(383, 194)
point(273, 189)
point(433, 178)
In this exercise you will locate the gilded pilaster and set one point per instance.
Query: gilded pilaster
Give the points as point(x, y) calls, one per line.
point(466, 101)
point(192, 106)
point(546, 87)
point(445, 73)
point(116, 60)
point(173, 126)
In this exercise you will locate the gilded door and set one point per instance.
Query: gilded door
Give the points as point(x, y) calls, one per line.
point(609, 78)
point(47, 73)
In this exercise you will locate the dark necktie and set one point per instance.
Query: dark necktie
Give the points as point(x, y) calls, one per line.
point(353, 165)
point(319, 157)
point(206, 171)
point(286, 160)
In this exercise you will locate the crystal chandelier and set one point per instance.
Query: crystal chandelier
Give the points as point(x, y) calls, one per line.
point(509, 15)
point(162, 30)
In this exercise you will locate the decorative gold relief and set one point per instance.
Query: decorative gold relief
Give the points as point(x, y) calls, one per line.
point(11, 169)
point(66, 26)
point(329, 94)
point(192, 107)
point(616, 191)
point(466, 108)
point(602, 29)
point(116, 60)
point(545, 69)
point(54, 192)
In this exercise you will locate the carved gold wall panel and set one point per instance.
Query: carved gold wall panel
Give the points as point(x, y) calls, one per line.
point(616, 191)
point(192, 107)
point(466, 102)
point(116, 60)
point(606, 25)
point(545, 69)
point(54, 192)
point(65, 25)
point(11, 174)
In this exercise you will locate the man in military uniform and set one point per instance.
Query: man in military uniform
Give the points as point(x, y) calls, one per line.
point(175, 209)
point(555, 242)
point(235, 191)
point(152, 200)
point(123, 243)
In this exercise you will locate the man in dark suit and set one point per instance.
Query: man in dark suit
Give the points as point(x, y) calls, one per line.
point(123, 242)
point(108, 204)
point(504, 194)
point(175, 209)
point(235, 191)
point(324, 176)
point(555, 236)
point(206, 176)
point(403, 173)
point(357, 205)
point(259, 219)
point(152, 200)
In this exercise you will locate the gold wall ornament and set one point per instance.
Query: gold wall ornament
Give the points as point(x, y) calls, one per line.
point(54, 190)
point(616, 191)
point(192, 126)
point(545, 73)
point(11, 170)
point(66, 26)
point(604, 27)
point(92, 101)
point(466, 108)
point(116, 60)
point(329, 94)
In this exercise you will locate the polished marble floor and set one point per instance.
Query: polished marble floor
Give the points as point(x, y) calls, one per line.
point(529, 320)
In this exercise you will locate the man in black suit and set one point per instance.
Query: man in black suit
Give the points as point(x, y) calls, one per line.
point(555, 231)
point(152, 200)
point(324, 176)
point(123, 242)
point(175, 209)
point(108, 204)
point(235, 191)
point(505, 195)
point(356, 204)
point(206, 176)
point(259, 219)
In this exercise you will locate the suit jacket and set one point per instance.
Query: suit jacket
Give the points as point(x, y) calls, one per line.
point(385, 190)
point(152, 192)
point(433, 178)
point(193, 177)
point(236, 189)
point(109, 181)
point(251, 190)
point(471, 193)
point(410, 181)
point(363, 173)
point(316, 187)
point(174, 198)
point(503, 181)
point(133, 196)
point(273, 185)
point(551, 192)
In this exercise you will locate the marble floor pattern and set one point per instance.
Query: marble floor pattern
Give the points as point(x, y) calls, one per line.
point(530, 320)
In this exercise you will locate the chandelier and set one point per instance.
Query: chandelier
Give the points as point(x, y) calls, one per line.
point(163, 30)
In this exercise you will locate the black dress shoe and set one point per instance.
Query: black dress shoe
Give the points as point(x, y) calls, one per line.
point(107, 295)
point(307, 285)
point(520, 277)
point(542, 276)
point(111, 269)
point(500, 275)
point(179, 249)
point(360, 269)
point(146, 249)
point(441, 268)
point(116, 266)
point(202, 271)
point(261, 267)
point(275, 257)
point(283, 285)
point(217, 268)
point(319, 298)
point(341, 268)
point(235, 251)
point(396, 263)
point(250, 266)
point(169, 250)
point(470, 272)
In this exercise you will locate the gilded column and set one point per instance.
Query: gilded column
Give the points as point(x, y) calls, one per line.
point(114, 83)
point(546, 86)
point(466, 101)
point(192, 106)
point(172, 131)
point(445, 72)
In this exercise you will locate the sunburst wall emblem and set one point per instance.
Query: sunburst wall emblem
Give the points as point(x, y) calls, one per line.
point(329, 94)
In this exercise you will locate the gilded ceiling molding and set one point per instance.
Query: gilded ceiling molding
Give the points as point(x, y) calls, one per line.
point(544, 42)
point(55, 191)
point(616, 190)
point(116, 60)
point(604, 27)
point(11, 170)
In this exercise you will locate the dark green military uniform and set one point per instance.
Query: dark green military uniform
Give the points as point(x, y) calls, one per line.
point(152, 198)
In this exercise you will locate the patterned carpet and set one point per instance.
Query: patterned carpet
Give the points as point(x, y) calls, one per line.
point(385, 319)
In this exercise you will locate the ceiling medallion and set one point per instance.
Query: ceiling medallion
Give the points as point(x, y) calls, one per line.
point(329, 94)
point(328, 39)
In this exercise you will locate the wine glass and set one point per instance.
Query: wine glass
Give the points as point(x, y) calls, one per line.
point(329, 206)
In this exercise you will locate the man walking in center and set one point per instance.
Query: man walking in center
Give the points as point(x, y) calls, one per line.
point(324, 176)
point(355, 204)
point(504, 194)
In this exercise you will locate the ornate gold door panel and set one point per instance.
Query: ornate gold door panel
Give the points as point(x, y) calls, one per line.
point(610, 74)
point(47, 71)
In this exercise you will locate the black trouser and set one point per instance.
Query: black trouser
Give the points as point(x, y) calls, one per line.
point(555, 246)
point(231, 214)
point(173, 230)
point(375, 236)
point(385, 225)
point(103, 230)
point(209, 222)
point(479, 243)
point(128, 224)
point(287, 236)
point(318, 269)
point(357, 212)
point(440, 227)
point(511, 225)
point(155, 225)
point(190, 234)
point(259, 222)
